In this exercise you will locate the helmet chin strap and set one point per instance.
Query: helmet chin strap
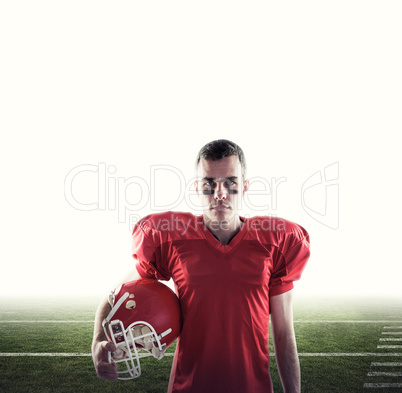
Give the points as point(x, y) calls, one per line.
point(156, 351)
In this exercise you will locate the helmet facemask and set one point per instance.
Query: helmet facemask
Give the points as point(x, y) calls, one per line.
point(130, 343)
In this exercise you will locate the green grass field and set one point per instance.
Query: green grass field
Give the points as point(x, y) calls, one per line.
point(337, 342)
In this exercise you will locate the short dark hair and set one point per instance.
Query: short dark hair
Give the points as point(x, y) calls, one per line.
point(221, 148)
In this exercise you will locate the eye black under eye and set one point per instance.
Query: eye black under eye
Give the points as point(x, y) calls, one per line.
point(211, 192)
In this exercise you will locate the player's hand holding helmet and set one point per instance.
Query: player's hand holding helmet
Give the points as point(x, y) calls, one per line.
point(145, 315)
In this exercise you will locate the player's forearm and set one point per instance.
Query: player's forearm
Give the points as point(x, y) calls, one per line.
point(101, 313)
point(288, 364)
point(101, 347)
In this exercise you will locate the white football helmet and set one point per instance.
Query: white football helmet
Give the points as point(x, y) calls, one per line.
point(145, 315)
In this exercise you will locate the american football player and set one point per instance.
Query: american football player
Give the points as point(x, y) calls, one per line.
point(230, 273)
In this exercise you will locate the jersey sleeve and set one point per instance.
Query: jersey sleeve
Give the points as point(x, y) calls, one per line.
point(146, 250)
point(290, 260)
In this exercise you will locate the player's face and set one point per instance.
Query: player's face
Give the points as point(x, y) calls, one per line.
point(220, 187)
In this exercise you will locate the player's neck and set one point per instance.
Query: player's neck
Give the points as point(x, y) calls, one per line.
point(224, 230)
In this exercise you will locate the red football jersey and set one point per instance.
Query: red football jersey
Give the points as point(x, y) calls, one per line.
point(224, 293)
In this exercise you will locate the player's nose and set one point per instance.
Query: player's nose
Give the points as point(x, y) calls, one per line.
point(220, 193)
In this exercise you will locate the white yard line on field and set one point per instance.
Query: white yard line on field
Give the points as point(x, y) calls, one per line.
point(382, 385)
point(393, 333)
point(351, 354)
point(297, 321)
point(384, 374)
point(56, 354)
point(390, 346)
point(45, 321)
point(17, 354)
point(346, 321)
point(305, 354)
point(386, 364)
point(390, 339)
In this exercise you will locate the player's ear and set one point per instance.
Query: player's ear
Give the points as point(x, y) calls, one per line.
point(196, 186)
point(246, 186)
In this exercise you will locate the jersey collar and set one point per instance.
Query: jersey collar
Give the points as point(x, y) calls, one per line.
point(215, 242)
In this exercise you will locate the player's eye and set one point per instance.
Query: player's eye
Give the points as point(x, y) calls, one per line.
point(208, 187)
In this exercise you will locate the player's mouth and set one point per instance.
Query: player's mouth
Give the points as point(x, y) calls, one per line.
point(220, 207)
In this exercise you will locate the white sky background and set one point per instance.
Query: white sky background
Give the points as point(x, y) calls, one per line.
point(298, 85)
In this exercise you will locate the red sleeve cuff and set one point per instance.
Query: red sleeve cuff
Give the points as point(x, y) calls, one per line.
point(279, 289)
point(144, 273)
